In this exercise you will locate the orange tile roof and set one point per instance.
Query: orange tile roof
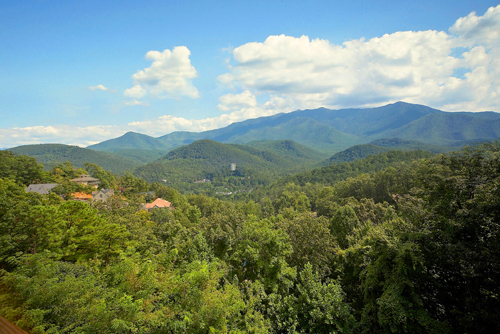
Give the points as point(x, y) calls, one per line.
point(82, 196)
point(159, 203)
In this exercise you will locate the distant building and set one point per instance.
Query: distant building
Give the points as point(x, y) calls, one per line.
point(102, 195)
point(158, 203)
point(203, 181)
point(87, 180)
point(42, 189)
point(232, 166)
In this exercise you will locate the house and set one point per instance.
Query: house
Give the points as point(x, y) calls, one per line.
point(102, 195)
point(79, 196)
point(42, 189)
point(87, 180)
point(158, 203)
point(203, 181)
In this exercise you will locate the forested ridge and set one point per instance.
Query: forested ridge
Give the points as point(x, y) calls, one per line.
point(411, 245)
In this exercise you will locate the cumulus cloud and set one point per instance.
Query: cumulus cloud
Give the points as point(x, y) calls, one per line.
point(136, 92)
point(168, 123)
point(169, 76)
point(101, 87)
point(479, 29)
point(64, 134)
point(84, 136)
point(418, 67)
point(137, 103)
point(237, 101)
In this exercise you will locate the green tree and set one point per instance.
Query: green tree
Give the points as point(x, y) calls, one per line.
point(21, 168)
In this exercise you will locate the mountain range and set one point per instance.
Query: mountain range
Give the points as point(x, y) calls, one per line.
point(331, 131)
point(283, 144)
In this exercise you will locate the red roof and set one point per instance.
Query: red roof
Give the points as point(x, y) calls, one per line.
point(158, 203)
point(81, 196)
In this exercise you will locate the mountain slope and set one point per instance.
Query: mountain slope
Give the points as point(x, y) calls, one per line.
point(287, 148)
point(404, 145)
point(356, 152)
point(341, 171)
point(334, 130)
point(208, 159)
point(448, 128)
point(130, 141)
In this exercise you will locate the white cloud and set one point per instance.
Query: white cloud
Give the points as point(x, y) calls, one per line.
point(136, 92)
point(418, 67)
point(137, 103)
point(88, 135)
point(237, 101)
point(169, 76)
point(64, 134)
point(101, 87)
point(479, 29)
point(168, 123)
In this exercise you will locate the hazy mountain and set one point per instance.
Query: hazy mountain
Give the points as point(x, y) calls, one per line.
point(341, 171)
point(449, 128)
point(357, 152)
point(131, 141)
point(401, 144)
point(51, 155)
point(141, 156)
point(287, 148)
point(334, 130)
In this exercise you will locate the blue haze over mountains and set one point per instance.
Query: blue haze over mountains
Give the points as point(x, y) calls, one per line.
point(331, 131)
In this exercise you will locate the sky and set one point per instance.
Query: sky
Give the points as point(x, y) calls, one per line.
point(81, 72)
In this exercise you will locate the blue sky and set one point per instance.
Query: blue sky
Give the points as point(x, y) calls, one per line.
point(79, 72)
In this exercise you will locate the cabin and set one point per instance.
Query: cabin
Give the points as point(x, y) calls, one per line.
point(42, 189)
point(102, 195)
point(87, 180)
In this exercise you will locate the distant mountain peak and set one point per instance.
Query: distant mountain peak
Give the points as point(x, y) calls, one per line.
point(331, 131)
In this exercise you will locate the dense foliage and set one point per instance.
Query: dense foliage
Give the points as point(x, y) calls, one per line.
point(207, 159)
point(408, 248)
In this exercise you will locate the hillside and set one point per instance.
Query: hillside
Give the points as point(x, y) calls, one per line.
point(331, 131)
point(52, 154)
point(449, 128)
point(287, 148)
point(210, 159)
point(375, 147)
point(341, 171)
point(141, 156)
point(131, 141)
point(404, 145)
point(355, 153)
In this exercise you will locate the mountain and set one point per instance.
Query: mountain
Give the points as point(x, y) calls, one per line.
point(141, 156)
point(341, 171)
point(210, 159)
point(404, 145)
point(331, 131)
point(131, 141)
point(449, 128)
point(287, 148)
point(356, 152)
point(51, 155)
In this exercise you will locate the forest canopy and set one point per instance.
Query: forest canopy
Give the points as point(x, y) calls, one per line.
point(412, 246)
